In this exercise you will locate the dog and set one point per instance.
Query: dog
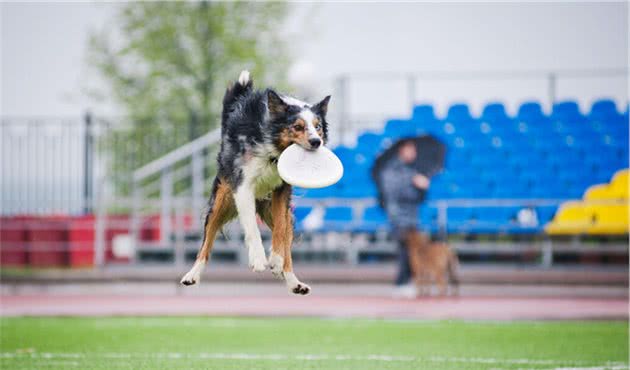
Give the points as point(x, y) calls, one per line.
point(432, 262)
point(256, 126)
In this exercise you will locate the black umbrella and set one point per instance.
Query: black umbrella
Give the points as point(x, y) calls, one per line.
point(429, 161)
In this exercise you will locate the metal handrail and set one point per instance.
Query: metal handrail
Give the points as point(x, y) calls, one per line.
point(177, 155)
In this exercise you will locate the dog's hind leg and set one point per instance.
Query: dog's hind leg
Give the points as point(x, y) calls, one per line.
point(221, 210)
point(245, 201)
point(280, 261)
point(440, 281)
point(276, 257)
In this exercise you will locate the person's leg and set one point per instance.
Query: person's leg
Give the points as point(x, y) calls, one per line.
point(404, 270)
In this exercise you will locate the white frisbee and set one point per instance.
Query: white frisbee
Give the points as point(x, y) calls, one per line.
point(309, 169)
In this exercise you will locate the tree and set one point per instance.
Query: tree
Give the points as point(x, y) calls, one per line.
point(171, 63)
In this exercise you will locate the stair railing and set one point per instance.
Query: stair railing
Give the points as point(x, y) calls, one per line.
point(168, 175)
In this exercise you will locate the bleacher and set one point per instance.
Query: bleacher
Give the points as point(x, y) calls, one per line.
point(529, 156)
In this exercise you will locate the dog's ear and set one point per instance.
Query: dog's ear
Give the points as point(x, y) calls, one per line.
point(322, 106)
point(275, 104)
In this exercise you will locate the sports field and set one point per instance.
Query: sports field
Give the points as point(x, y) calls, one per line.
point(240, 343)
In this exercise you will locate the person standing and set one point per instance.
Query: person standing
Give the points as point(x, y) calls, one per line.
point(403, 190)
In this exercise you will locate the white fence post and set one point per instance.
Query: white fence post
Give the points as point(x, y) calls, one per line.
point(99, 234)
point(166, 194)
point(197, 183)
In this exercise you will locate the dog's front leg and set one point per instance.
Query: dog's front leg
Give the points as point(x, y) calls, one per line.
point(246, 207)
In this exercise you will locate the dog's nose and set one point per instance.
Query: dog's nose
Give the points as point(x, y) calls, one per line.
point(315, 143)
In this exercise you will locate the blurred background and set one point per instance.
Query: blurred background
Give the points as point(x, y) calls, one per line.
point(109, 138)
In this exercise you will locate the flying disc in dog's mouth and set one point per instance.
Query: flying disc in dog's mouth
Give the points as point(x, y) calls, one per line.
point(309, 168)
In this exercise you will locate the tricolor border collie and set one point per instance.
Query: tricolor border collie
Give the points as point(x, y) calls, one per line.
point(256, 126)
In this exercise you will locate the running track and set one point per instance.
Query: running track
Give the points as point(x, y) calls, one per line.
point(249, 303)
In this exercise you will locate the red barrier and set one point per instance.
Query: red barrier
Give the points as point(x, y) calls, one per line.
point(13, 245)
point(59, 240)
point(47, 241)
point(81, 241)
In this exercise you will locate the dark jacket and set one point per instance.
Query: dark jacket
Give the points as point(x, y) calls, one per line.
point(401, 198)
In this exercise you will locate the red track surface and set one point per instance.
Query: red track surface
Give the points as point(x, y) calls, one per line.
point(467, 308)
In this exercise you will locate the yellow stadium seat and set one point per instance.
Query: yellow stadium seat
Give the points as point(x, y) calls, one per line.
point(619, 184)
point(609, 219)
point(572, 218)
point(599, 192)
point(604, 210)
point(621, 178)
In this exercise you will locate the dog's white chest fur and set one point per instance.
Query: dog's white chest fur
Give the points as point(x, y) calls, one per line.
point(262, 175)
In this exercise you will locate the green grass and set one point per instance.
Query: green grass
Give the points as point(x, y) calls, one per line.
point(237, 343)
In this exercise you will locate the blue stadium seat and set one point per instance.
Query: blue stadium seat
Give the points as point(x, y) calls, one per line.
point(399, 128)
point(545, 213)
point(338, 219)
point(604, 110)
point(459, 113)
point(495, 113)
point(299, 214)
point(567, 111)
point(530, 112)
point(423, 114)
point(374, 219)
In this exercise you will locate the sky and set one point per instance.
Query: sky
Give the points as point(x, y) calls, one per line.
point(44, 47)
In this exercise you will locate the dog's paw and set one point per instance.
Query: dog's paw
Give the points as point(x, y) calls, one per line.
point(275, 264)
point(301, 289)
point(257, 259)
point(193, 276)
point(295, 286)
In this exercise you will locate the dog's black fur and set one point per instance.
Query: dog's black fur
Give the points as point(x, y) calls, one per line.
point(252, 123)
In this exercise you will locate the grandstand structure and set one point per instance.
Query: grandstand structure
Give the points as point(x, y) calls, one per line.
point(505, 163)
point(496, 166)
point(568, 168)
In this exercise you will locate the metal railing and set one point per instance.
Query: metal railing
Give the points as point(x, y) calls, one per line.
point(165, 167)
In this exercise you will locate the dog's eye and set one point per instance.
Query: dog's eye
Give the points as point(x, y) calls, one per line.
point(298, 127)
point(318, 126)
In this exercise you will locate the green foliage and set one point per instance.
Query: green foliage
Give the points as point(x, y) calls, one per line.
point(167, 65)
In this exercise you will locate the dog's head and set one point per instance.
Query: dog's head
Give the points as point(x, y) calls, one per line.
point(296, 122)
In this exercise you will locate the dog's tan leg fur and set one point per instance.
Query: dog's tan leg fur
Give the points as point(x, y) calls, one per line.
point(222, 211)
point(280, 262)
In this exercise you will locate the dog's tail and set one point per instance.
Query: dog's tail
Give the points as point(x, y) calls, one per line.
point(453, 269)
point(242, 86)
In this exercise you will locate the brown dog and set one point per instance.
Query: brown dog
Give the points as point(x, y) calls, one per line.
point(432, 262)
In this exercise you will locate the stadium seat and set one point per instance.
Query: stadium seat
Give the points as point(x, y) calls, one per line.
point(534, 155)
point(566, 112)
point(530, 112)
point(603, 211)
point(459, 114)
point(374, 219)
point(423, 114)
point(338, 219)
point(604, 110)
point(494, 113)
point(399, 129)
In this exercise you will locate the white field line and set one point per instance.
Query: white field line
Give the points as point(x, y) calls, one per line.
point(582, 365)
